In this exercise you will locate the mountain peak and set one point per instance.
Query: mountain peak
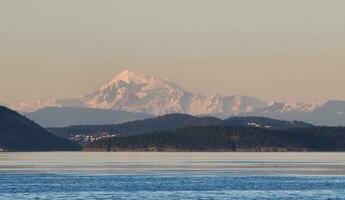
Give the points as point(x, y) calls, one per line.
point(131, 76)
point(132, 91)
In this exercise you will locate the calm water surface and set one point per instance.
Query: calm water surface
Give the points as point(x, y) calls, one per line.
point(103, 175)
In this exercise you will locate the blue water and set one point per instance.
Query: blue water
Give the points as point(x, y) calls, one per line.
point(171, 176)
point(64, 186)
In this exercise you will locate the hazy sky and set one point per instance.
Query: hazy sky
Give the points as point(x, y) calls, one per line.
point(272, 49)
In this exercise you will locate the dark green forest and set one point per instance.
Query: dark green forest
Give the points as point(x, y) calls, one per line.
point(17, 133)
point(172, 122)
point(225, 138)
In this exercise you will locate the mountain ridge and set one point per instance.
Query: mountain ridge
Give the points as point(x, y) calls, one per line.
point(225, 138)
point(172, 122)
point(135, 92)
point(68, 116)
point(132, 91)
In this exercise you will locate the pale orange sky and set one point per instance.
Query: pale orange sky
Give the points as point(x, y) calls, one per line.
point(272, 49)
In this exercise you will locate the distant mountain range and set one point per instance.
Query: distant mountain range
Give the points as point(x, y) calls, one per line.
point(173, 132)
point(173, 122)
point(332, 113)
point(67, 116)
point(18, 133)
point(135, 92)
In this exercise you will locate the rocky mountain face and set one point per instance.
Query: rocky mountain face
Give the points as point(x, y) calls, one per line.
point(131, 91)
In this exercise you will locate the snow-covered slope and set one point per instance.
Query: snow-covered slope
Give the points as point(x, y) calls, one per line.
point(135, 92)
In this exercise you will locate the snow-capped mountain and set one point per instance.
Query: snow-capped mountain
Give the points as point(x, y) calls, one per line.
point(135, 92)
point(32, 106)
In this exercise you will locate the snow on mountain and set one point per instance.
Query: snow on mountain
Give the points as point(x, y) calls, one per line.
point(32, 106)
point(135, 92)
point(301, 107)
point(284, 107)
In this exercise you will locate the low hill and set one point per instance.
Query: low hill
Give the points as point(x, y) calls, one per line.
point(264, 122)
point(221, 138)
point(165, 122)
point(168, 122)
point(17, 133)
point(67, 116)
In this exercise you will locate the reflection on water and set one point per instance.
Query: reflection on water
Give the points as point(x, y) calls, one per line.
point(158, 163)
point(121, 175)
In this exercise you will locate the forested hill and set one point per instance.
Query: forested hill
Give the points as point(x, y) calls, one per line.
point(165, 122)
point(172, 122)
point(221, 138)
point(17, 133)
point(265, 122)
